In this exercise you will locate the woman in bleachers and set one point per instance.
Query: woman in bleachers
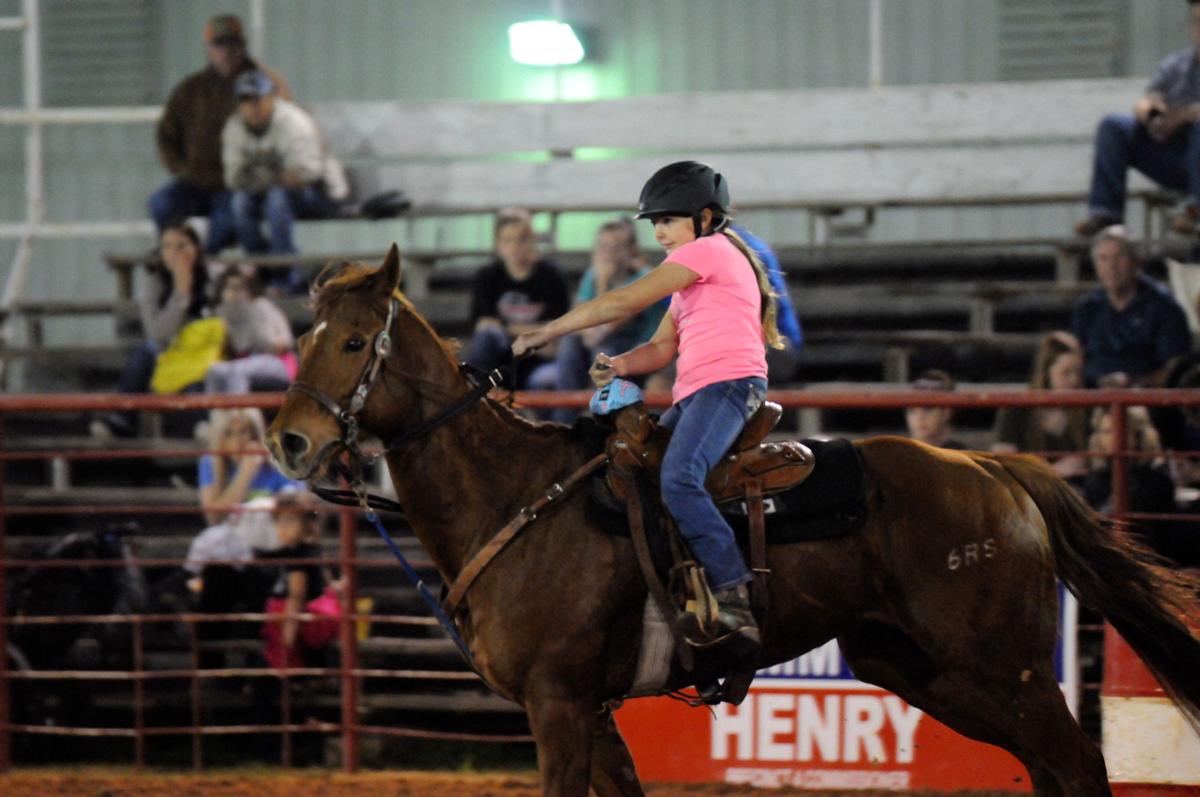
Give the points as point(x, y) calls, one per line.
point(258, 339)
point(1060, 434)
point(174, 292)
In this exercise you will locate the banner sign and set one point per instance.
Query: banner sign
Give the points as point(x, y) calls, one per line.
point(809, 723)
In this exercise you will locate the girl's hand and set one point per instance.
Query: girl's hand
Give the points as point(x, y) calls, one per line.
point(603, 370)
point(530, 341)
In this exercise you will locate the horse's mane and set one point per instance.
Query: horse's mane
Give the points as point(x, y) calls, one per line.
point(339, 279)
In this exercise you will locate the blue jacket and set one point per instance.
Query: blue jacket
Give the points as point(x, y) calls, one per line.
point(1138, 340)
point(789, 324)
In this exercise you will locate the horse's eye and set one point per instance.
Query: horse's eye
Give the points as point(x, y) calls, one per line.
point(355, 344)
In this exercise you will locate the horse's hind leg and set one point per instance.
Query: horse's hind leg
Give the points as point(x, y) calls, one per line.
point(1025, 714)
point(613, 772)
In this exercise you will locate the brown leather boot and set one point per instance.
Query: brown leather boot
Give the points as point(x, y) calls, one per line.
point(734, 627)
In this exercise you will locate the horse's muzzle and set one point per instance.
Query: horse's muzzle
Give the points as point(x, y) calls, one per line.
point(293, 453)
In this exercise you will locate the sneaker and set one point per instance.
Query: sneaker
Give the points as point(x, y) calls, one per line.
point(1094, 224)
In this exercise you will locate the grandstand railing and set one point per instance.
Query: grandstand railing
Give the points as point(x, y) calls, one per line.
point(348, 672)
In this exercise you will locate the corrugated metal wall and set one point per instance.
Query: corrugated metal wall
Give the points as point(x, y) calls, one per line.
point(457, 49)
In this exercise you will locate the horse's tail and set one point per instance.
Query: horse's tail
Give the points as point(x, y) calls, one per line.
point(1112, 572)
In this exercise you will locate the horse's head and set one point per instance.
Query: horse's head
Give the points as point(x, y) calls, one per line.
point(361, 322)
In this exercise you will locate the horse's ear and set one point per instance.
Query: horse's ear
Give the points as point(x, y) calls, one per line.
point(390, 273)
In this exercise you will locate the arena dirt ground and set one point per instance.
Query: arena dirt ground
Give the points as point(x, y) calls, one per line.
point(241, 783)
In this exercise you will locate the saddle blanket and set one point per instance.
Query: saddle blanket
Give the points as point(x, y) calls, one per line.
point(830, 503)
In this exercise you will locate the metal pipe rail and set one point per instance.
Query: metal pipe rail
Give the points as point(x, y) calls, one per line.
point(349, 673)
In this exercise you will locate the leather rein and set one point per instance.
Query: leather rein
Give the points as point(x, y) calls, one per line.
point(358, 496)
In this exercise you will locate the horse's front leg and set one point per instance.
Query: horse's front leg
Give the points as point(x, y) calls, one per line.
point(562, 727)
point(613, 772)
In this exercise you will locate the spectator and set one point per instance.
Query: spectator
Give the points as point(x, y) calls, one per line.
point(258, 338)
point(238, 469)
point(1130, 327)
point(933, 425)
point(189, 134)
point(616, 261)
point(277, 169)
point(515, 293)
point(1160, 139)
point(782, 364)
point(1151, 489)
point(174, 292)
point(299, 587)
point(1057, 365)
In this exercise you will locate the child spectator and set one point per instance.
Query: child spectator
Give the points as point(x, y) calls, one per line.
point(933, 425)
point(1057, 365)
point(616, 261)
point(189, 134)
point(258, 339)
point(516, 293)
point(299, 587)
point(1151, 488)
point(239, 469)
point(174, 292)
point(277, 168)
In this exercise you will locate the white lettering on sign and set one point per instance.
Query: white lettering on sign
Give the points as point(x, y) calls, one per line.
point(778, 726)
point(775, 777)
point(823, 661)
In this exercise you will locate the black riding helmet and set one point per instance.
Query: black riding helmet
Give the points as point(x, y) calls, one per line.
point(684, 189)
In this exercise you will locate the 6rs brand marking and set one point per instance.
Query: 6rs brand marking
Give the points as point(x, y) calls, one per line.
point(970, 554)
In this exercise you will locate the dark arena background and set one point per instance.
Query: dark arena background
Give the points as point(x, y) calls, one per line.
point(981, 217)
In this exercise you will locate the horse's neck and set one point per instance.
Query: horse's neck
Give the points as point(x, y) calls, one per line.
point(452, 482)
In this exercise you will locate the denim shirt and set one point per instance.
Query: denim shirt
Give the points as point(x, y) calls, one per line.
point(1150, 331)
point(1178, 78)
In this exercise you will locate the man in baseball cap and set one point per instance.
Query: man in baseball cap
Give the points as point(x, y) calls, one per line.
point(189, 133)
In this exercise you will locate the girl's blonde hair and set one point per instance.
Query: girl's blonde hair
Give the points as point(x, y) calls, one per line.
point(219, 421)
point(769, 312)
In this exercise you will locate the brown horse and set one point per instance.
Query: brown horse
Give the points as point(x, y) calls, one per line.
point(554, 621)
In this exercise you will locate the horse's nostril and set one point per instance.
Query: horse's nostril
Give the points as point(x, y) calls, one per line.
point(295, 444)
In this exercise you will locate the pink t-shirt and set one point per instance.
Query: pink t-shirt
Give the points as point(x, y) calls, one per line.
point(716, 317)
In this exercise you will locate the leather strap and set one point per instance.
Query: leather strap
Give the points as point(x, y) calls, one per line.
point(528, 514)
point(759, 596)
point(641, 545)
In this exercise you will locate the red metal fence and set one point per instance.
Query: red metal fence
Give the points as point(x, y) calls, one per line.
point(349, 673)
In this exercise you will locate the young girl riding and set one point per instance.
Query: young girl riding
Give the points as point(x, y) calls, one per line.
point(722, 313)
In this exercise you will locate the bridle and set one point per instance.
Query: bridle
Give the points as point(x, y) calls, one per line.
point(347, 416)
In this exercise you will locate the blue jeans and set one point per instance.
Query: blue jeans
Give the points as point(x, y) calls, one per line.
point(280, 207)
point(1121, 142)
point(705, 425)
point(181, 199)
